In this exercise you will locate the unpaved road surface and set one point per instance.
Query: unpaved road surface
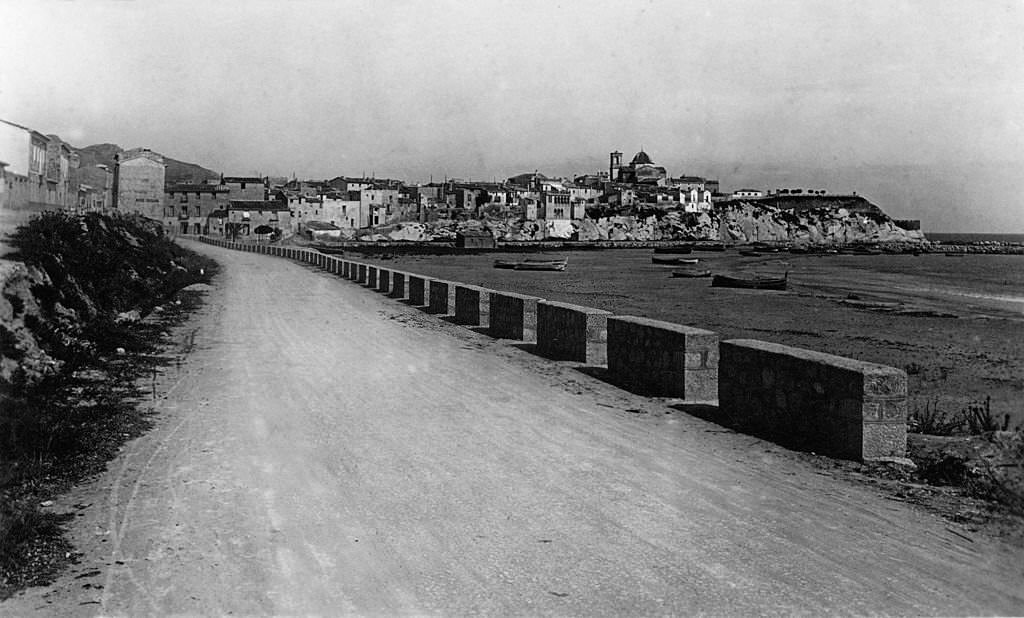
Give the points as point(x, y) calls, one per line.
point(325, 450)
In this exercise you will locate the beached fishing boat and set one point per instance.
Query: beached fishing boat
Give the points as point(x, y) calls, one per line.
point(750, 283)
point(749, 253)
point(691, 273)
point(709, 247)
point(673, 261)
point(532, 264)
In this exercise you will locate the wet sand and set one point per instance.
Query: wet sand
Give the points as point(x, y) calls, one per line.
point(955, 324)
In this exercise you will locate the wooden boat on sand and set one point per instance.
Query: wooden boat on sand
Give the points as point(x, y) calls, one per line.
point(688, 273)
point(673, 261)
point(754, 282)
point(532, 264)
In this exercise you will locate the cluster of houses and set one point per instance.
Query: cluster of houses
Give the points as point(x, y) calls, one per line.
point(41, 172)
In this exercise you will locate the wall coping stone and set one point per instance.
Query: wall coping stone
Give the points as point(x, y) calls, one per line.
point(843, 362)
point(577, 308)
point(662, 325)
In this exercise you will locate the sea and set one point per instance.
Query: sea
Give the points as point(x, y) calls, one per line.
point(970, 237)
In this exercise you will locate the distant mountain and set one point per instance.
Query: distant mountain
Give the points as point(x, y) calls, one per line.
point(177, 171)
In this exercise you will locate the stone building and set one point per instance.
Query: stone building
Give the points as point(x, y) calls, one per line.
point(188, 206)
point(95, 186)
point(640, 170)
point(139, 183)
point(337, 208)
point(38, 168)
point(245, 187)
point(375, 204)
point(240, 218)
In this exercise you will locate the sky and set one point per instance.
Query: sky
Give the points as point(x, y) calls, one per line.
point(917, 105)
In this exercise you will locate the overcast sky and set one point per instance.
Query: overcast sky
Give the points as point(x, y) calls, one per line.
point(918, 105)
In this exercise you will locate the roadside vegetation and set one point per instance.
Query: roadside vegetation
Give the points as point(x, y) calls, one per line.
point(968, 465)
point(81, 322)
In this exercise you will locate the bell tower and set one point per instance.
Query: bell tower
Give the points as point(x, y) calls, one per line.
point(614, 163)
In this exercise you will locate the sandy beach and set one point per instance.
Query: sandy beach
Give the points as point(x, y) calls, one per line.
point(955, 324)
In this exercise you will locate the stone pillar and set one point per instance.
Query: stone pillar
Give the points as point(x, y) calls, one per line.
point(513, 316)
point(814, 401)
point(397, 284)
point(662, 359)
point(472, 305)
point(383, 280)
point(572, 332)
point(418, 290)
point(442, 297)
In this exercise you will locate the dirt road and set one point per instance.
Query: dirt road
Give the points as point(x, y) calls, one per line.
point(325, 450)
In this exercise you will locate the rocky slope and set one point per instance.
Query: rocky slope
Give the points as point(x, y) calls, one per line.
point(854, 221)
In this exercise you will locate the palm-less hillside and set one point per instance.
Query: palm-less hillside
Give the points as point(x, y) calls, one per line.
point(177, 171)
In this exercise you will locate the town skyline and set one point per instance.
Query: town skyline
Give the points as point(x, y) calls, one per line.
point(917, 107)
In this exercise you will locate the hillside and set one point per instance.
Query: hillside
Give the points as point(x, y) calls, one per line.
point(177, 171)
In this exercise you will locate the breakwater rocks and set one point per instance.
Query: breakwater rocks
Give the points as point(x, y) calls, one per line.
point(977, 248)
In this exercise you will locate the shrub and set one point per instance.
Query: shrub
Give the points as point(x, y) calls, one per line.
point(934, 421)
point(978, 417)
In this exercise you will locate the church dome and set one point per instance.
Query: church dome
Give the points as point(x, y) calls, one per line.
point(641, 158)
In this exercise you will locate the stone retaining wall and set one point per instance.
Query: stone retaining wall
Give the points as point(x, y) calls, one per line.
point(419, 290)
point(383, 280)
point(472, 305)
point(442, 297)
point(663, 359)
point(513, 316)
point(814, 401)
point(572, 332)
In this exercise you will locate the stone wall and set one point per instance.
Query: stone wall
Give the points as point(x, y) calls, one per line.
point(813, 401)
point(472, 305)
point(663, 359)
point(442, 297)
point(572, 332)
point(397, 284)
point(419, 290)
point(513, 316)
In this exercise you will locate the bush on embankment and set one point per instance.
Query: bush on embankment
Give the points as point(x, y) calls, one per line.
point(71, 348)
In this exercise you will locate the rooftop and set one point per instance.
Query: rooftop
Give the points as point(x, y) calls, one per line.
point(195, 187)
point(256, 205)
